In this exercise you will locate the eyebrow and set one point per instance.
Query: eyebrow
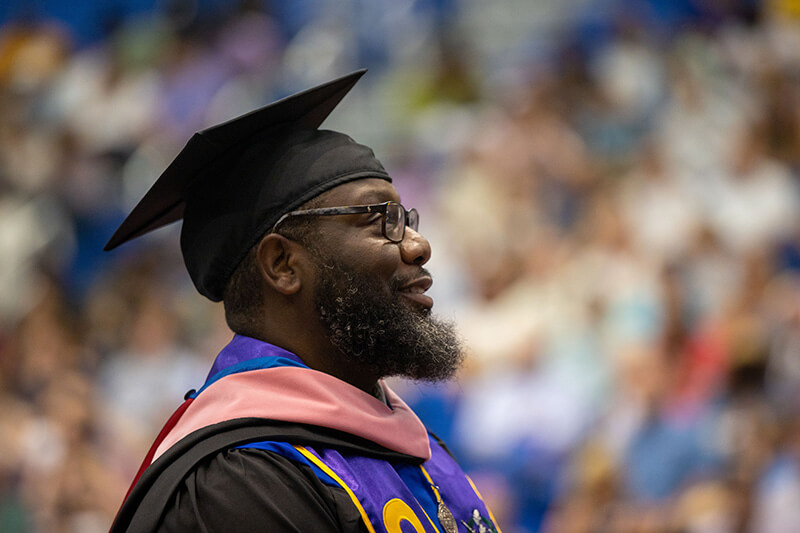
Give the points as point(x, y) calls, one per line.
point(375, 197)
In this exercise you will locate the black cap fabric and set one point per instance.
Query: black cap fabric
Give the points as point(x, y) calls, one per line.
point(232, 182)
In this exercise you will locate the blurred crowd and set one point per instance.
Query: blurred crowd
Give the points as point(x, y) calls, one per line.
point(611, 190)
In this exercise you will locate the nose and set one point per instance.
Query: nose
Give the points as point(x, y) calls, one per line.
point(414, 248)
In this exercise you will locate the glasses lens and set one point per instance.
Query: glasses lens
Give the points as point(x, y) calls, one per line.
point(413, 220)
point(395, 222)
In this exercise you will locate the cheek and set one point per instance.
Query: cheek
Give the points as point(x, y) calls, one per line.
point(381, 261)
point(364, 250)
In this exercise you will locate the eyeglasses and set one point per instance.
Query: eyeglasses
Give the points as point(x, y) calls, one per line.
point(393, 223)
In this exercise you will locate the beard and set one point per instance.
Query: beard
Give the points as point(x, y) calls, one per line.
point(380, 330)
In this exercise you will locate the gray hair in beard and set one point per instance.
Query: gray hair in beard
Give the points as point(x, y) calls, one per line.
point(379, 329)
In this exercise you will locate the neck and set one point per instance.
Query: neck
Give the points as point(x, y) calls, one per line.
point(317, 352)
point(327, 358)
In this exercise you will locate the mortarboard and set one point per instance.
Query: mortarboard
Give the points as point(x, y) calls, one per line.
point(232, 182)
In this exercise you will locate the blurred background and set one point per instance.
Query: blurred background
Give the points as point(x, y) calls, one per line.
point(611, 190)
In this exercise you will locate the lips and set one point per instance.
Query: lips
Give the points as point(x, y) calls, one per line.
point(415, 291)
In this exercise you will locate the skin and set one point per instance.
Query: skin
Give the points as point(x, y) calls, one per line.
point(288, 270)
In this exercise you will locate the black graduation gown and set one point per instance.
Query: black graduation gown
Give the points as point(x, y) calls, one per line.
point(205, 483)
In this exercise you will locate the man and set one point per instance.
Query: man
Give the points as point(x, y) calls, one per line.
point(302, 236)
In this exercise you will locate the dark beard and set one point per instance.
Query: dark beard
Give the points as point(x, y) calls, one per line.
point(379, 330)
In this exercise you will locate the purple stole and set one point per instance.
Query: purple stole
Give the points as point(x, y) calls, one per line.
point(400, 498)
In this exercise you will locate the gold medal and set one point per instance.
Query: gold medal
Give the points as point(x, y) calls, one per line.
point(446, 518)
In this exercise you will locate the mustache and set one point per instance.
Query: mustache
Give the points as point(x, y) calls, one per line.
point(398, 282)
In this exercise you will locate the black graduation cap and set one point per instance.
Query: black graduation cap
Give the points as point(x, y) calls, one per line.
point(232, 182)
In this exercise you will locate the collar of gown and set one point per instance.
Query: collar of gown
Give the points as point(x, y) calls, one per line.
point(254, 379)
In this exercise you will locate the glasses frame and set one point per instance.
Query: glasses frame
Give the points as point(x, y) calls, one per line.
point(410, 216)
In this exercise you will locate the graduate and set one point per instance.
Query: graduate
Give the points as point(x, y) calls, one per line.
point(321, 270)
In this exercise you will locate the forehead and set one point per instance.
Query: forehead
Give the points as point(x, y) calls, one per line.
point(360, 192)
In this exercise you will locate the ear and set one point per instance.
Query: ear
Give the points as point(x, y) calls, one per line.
point(282, 264)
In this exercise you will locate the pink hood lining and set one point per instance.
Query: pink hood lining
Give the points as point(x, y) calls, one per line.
point(302, 395)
